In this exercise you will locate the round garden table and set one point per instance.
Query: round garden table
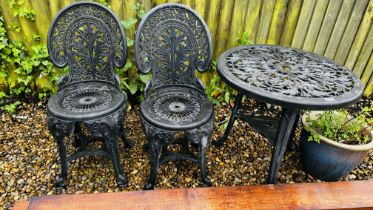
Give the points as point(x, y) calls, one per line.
point(291, 78)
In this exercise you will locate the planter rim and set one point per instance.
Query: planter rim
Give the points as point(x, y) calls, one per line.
point(363, 147)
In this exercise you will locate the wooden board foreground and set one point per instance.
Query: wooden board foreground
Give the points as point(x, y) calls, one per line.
point(332, 195)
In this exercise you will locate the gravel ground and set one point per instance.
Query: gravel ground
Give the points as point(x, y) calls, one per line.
point(29, 160)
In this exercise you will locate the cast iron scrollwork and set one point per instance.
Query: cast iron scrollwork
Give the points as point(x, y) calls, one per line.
point(173, 41)
point(88, 38)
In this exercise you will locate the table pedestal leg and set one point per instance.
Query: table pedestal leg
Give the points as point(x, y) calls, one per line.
point(236, 106)
point(284, 131)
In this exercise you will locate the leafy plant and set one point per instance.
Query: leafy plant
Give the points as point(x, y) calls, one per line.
point(135, 85)
point(340, 126)
point(11, 108)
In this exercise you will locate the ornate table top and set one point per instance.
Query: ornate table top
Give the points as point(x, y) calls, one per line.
point(289, 77)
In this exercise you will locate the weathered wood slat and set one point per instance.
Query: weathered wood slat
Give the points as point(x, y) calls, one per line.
point(200, 7)
point(368, 73)
point(54, 7)
point(265, 21)
point(369, 87)
point(117, 7)
point(315, 25)
point(238, 20)
point(339, 27)
point(325, 195)
point(290, 22)
point(365, 54)
point(327, 26)
point(303, 24)
point(277, 23)
point(224, 24)
point(252, 18)
point(42, 21)
point(350, 31)
point(364, 27)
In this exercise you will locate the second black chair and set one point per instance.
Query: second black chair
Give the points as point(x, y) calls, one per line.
point(172, 41)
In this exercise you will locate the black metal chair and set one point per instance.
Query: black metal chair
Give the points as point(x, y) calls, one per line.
point(172, 41)
point(90, 40)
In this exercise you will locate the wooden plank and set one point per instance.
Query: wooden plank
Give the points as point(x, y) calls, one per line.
point(369, 88)
point(327, 26)
point(368, 72)
point(291, 22)
point(360, 36)
point(213, 19)
point(200, 7)
point(21, 205)
point(277, 23)
point(325, 195)
point(238, 20)
point(252, 18)
point(225, 17)
point(265, 21)
point(11, 22)
point(339, 27)
point(315, 25)
point(54, 7)
point(117, 7)
point(365, 54)
point(42, 18)
point(147, 4)
point(350, 31)
point(158, 2)
point(303, 24)
point(189, 3)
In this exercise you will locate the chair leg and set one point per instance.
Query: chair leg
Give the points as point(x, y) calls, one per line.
point(155, 150)
point(112, 147)
point(60, 181)
point(127, 142)
point(202, 161)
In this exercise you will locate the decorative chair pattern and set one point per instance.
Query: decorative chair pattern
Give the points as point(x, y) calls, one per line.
point(90, 40)
point(172, 41)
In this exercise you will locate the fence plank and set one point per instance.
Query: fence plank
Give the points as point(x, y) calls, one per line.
point(265, 21)
point(11, 22)
point(291, 22)
point(238, 20)
point(54, 7)
point(315, 24)
point(369, 88)
point(225, 17)
point(252, 18)
point(350, 31)
point(189, 3)
point(42, 18)
point(360, 36)
point(368, 71)
point(213, 19)
point(366, 51)
point(303, 24)
point(278, 20)
point(117, 7)
point(339, 27)
point(200, 7)
point(327, 26)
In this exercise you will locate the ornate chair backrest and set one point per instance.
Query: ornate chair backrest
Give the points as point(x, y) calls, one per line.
point(172, 41)
point(88, 38)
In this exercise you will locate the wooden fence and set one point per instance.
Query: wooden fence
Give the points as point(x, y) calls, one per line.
point(338, 29)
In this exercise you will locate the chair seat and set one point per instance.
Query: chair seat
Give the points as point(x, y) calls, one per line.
point(86, 102)
point(176, 108)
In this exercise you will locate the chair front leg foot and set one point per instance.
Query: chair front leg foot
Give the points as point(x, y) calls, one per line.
point(112, 147)
point(155, 150)
point(202, 161)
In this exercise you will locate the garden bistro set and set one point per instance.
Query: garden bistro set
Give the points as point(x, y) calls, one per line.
point(171, 42)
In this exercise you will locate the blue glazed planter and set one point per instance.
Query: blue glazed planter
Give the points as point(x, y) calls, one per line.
point(330, 160)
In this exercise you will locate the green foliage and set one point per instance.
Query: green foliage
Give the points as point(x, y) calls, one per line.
point(339, 126)
point(244, 39)
point(136, 85)
point(19, 9)
point(12, 107)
